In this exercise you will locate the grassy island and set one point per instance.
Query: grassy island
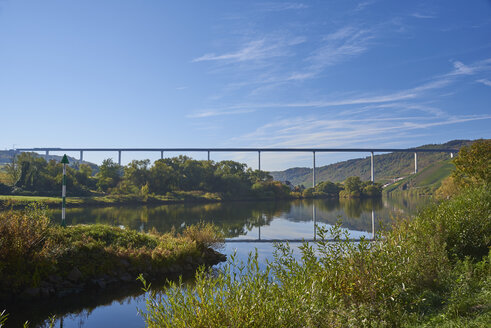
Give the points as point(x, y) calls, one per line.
point(39, 259)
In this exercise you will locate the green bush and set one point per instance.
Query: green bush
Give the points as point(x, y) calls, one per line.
point(31, 249)
point(402, 277)
point(464, 222)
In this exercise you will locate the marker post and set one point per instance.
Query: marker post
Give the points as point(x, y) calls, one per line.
point(64, 161)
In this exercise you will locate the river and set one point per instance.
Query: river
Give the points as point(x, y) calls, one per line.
point(256, 222)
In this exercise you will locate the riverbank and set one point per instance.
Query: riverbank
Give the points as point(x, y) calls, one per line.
point(191, 197)
point(40, 260)
point(19, 202)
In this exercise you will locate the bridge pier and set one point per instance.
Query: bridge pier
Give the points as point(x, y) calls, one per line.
point(208, 155)
point(373, 224)
point(46, 155)
point(259, 159)
point(81, 156)
point(313, 169)
point(372, 175)
point(415, 163)
point(161, 154)
point(119, 157)
point(314, 218)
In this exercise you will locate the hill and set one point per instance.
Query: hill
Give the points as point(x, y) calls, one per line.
point(6, 157)
point(387, 166)
point(425, 181)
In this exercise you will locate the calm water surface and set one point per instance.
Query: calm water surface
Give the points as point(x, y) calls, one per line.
point(265, 220)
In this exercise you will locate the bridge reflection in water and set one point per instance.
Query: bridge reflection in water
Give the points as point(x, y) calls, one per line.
point(299, 240)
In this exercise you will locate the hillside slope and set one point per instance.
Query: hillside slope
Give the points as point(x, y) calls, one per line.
point(426, 180)
point(387, 166)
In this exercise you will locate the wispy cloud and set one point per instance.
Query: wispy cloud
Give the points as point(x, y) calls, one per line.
point(326, 132)
point(362, 5)
point(438, 83)
point(255, 50)
point(470, 69)
point(422, 16)
point(210, 113)
point(485, 82)
point(339, 46)
point(282, 6)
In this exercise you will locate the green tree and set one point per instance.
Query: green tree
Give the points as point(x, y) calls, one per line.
point(331, 189)
point(109, 175)
point(473, 164)
point(162, 177)
point(137, 172)
point(30, 171)
point(13, 170)
point(257, 175)
point(353, 185)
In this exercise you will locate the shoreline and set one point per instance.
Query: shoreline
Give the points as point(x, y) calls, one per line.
point(20, 202)
point(41, 261)
point(58, 287)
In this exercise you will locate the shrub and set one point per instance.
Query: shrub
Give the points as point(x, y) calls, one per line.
point(204, 234)
point(396, 279)
point(465, 222)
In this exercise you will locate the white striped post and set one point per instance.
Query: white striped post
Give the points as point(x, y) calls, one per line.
point(64, 161)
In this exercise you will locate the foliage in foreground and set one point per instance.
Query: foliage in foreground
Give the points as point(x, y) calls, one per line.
point(32, 249)
point(418, 273)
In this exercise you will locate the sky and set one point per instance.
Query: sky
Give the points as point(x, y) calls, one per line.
point(337, 74)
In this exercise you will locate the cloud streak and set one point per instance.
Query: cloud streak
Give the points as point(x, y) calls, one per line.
point(392, 98)
point(254, 50)
point(485, 82)
point(304, 132)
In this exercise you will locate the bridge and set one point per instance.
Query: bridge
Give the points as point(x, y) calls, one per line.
point(313, 151)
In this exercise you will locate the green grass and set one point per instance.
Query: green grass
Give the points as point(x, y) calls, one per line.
point(7, 201)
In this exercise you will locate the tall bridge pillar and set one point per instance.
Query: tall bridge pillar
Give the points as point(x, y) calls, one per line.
point(161, 154)
point(81, 156)
point(259, 159)
point(415, 163)
point(46, 155)
point(313, 169)
point(119, 157)
point(208, 155)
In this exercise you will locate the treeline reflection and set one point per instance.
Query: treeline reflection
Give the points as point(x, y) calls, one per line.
point(236, 218)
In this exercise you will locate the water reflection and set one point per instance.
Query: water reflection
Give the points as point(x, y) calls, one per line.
point(234, 218)
point(239, 220)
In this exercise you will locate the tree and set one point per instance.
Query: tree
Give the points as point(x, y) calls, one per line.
point(473, 164)
point(162, 177)
point(353, 184)
point(109, 175)
point(331, 189)
point(13, 170)
point(137, 172)
point(30, 171)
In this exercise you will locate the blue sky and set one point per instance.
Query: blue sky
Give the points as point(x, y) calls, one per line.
point(244, 74)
